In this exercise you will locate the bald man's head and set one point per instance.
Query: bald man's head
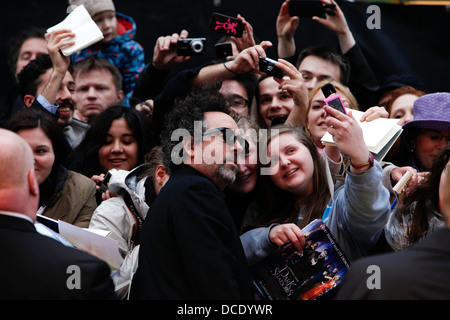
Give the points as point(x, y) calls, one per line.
point(16, 159)
point(19, 190)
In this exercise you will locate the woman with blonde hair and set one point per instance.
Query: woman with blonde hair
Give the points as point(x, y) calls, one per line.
point(315, 125)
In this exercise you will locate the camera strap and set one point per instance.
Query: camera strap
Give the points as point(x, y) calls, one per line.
point(137, 217)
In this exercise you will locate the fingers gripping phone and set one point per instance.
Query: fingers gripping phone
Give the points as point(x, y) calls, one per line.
point(104, 184)
point(332, 98)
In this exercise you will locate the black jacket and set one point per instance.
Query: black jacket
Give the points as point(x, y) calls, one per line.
point(37, 267)
point(190, 248)
point(417, 273)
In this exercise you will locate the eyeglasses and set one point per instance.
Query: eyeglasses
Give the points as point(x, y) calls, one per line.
point(229, 137)
point(236, 101)
point(435, 136)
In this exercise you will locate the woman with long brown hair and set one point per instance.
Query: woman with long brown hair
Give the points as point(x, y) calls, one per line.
point(296, 192)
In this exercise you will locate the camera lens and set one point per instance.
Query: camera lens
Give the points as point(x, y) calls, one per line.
point(197, 46)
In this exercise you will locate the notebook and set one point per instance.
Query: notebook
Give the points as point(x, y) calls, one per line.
point(86, 30)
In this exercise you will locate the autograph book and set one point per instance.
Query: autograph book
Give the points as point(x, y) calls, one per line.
point(86, 31)
point(379, 134)
point(310, 275)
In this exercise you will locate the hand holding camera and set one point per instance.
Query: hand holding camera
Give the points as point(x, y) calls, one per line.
point(267, 66)
point(103, 184)
point(248, 60)
point(165, 51)
point(191, 47)
point(293, 83)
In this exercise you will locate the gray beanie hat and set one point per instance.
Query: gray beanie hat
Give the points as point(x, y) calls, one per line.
point(92, 6)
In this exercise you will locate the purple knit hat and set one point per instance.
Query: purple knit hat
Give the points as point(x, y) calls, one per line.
point(431, 111)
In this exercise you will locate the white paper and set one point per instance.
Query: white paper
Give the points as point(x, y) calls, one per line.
point(102, 247)
point(86, 30)
point(103, 233)
point(377, 133)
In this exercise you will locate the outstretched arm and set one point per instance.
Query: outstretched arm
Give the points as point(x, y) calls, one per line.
point(286, 27)
point(338, 24)
point(57, 40)
point(293, 83)
point(247, 40)
point(246, 61)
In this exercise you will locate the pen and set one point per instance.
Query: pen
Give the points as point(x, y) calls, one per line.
point(400, 186)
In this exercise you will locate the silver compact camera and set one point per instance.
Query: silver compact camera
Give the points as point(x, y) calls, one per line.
point(191, 47)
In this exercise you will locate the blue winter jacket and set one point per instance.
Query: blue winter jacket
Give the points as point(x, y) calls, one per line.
point(123, 52)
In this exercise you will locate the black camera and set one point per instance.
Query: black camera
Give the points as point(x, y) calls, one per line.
point(104, 184)
point(191, 47)
point(310, 8)
point(223, 50)
point(268, 67)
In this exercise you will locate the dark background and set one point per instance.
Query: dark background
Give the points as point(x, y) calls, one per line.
point(412, 39)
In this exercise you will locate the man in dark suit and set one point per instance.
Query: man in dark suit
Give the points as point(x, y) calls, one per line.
point(35, 266)
point(190, 248)
point(417, 273)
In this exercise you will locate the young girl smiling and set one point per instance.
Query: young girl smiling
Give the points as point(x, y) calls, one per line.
point(297, 192)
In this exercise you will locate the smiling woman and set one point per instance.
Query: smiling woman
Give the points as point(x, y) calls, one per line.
point(59, 187)
point(118, 139)
point(296, 192)
point(120, 149)
point(315, 122)
point(429, 132)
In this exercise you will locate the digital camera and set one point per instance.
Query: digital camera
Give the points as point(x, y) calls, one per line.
point(191, 47)
point(268, 67)
point(223, 50)
point(104, 184)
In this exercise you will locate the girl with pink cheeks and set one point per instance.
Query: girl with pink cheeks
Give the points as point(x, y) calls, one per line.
point(297, 192)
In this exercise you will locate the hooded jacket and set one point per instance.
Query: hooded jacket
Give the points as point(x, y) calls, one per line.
point(123, 52)
point(114, 215)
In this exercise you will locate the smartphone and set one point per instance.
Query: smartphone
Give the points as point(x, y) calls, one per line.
point(226, 25)
point(223, 50)
point(332, 98)
point(104, 184)
point(309, 8)
point(328, 89)
point(191, 47)
point(268, 67)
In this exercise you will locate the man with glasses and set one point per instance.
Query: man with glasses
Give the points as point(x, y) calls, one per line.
point(190, 248)
point(239, 92)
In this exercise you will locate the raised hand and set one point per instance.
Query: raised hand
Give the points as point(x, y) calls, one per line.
point(165, 51)
point(286, 27)
point(247, 40)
